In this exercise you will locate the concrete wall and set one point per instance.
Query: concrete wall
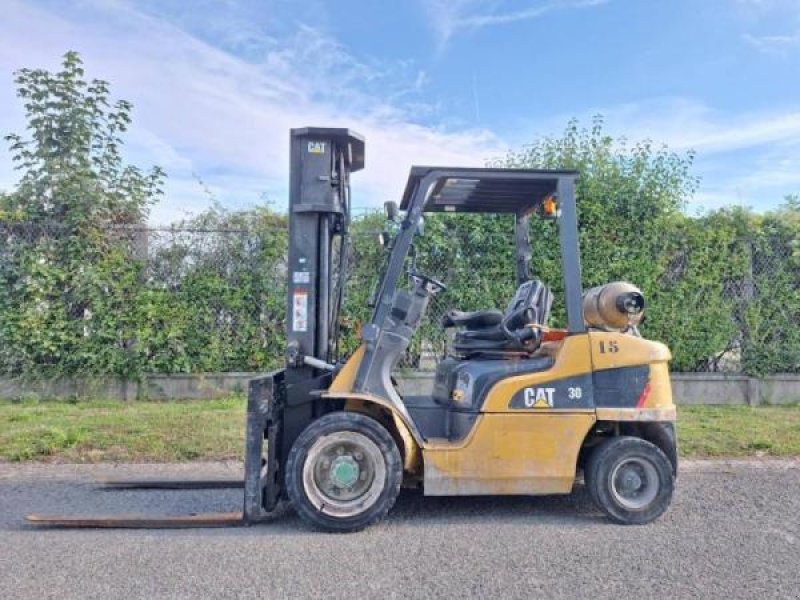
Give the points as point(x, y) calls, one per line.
point(152, 387)
point(688, 388)
point(712, 388)
point(780, 389)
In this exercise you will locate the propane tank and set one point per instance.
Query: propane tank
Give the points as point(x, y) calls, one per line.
point(617, 305)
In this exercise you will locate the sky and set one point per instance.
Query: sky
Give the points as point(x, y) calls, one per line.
point(216, 85)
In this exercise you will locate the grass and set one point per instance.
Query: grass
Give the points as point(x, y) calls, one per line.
point(715, 431)
point(100, 431)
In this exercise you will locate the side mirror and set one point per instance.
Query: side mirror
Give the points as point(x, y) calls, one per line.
point(421, 226)
point(391, 210)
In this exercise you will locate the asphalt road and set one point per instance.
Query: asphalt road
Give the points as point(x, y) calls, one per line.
point(733, 532)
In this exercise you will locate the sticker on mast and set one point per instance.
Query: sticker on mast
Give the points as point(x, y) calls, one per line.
point(316, 147)
point(300, 310)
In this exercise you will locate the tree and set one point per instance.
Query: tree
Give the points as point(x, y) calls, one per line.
point(632, 227)
point(722, 287)
point(215, 294)
point(67, 272)
point(71, 161)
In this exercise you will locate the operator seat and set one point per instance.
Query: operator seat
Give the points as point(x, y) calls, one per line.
point(493, 334)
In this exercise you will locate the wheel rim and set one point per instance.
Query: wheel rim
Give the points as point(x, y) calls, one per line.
point(344, 473)
point(634, 483)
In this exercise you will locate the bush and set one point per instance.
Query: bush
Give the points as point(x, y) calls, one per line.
point(86, 289)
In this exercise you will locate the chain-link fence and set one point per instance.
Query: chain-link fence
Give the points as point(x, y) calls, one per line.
point(127, 300)
point(733, 307)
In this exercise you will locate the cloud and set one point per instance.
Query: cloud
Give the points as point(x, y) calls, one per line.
point(774, 44)
point(684, 123)
point(749, 158)
point(759, 182)
point(222, 111)
point(449, 17)
point(200, 109)
point(772, 15)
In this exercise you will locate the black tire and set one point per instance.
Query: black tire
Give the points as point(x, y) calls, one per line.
point(380, 458)
point(630, 480)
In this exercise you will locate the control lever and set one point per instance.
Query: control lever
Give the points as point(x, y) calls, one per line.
point(295, 358)
point(433, 286)
point(318, 364)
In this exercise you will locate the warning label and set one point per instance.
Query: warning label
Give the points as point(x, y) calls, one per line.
point(301, 277)
point(300, 311)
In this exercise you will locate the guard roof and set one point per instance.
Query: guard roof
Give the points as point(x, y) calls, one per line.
point(485, 190)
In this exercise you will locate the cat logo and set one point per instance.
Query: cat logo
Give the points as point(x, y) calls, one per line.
point(316, 147)
point(539, 397)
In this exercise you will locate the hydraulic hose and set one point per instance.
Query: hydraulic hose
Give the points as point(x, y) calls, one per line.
point(344, 250)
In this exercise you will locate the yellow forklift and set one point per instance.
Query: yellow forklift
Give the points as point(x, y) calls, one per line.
point(516, 408)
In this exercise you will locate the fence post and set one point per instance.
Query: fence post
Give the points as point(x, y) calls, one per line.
point(753, 391)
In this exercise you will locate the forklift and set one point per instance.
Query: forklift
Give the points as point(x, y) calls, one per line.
point(517, 407)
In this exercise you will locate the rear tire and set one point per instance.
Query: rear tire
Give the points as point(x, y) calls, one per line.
point(343, 472)
point(630, 480)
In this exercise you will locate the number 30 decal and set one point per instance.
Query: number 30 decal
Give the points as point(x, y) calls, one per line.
point(574, 393)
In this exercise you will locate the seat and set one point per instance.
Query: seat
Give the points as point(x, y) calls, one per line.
point(473, 320)
point(491, 334)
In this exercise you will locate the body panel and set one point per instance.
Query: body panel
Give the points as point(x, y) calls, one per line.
point(660, 393)
point(612, 350)
point(666, 413)
point(621, 387)
point(510, 454)
point(530, 427)
point(344, 380)
point(572, 359)
point(618, 353)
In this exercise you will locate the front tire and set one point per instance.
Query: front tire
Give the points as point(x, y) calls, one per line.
point(343, 472)
point(630, 479)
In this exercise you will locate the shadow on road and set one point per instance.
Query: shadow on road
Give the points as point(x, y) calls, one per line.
point(412, 508)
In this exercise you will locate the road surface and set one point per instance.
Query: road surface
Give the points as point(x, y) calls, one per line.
point(733, 532)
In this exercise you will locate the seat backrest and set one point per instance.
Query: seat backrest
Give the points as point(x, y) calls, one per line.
point(512, 336)
point(531, 304)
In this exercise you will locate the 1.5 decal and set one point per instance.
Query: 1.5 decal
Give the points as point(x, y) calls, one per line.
point(609, 347)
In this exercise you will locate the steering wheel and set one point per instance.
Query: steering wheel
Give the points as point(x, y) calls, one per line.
point(434, 286)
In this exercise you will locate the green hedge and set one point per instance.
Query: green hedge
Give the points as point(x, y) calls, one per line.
point(85, 289)
point(211, 295)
